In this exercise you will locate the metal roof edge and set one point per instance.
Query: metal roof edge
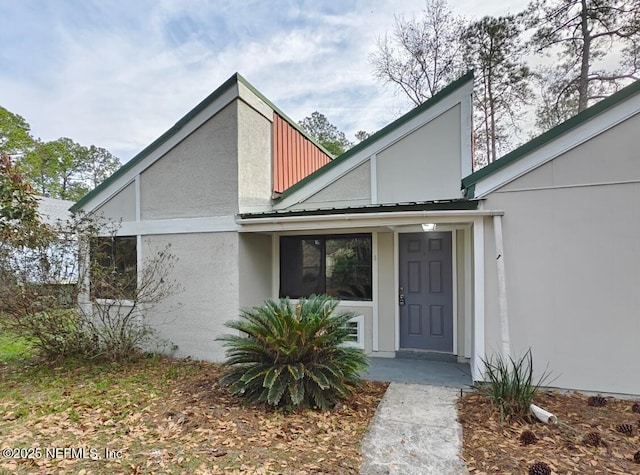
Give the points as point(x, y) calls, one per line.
point(439, 96)
point(287, 119)
point(441, 205)
point(235, 78)
point(156, 143)
point(468, 182)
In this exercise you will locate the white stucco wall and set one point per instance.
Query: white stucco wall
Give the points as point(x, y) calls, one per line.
point(121, 206)
point(352, 189)
point(572, 256)
point(254, 269)
point(254, 160)
point(611, 157)
point(207, 269)
point(387, 293)
point(424, 165)
point(199, 177)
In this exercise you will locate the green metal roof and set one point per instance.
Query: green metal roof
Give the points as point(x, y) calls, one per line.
point(468, 183)
point(236, 78)
point(458, 204)
point(381, 133)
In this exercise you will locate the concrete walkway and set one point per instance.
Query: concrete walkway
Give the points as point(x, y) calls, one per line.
point(415, 429)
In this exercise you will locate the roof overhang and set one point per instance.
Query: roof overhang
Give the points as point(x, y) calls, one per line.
point(458, 92)
point(236, 87)
point(588, 124)
point(364, 217)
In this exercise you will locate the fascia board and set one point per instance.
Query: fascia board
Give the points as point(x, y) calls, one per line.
point(125, 179)
point(557, 147)
point(359, 220)
point(255, 101)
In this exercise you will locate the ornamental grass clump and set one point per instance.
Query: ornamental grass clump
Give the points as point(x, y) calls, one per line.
point(293, 355)
point(510, 385)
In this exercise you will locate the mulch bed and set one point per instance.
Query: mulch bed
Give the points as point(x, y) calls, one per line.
point(171, 417)
point(492, 446)
point(270, 440)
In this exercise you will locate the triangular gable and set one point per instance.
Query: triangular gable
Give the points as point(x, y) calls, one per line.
point(582, 127)
point(293, 162)
point(457, 93)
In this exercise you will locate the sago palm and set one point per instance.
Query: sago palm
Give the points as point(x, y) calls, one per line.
point(293, 354)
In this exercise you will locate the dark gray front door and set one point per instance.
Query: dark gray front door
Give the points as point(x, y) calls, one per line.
point(426, 291)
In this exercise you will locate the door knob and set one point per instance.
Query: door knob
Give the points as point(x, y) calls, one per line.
point(401, 297)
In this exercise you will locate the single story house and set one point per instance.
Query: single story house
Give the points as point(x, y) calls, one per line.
point(540, 249)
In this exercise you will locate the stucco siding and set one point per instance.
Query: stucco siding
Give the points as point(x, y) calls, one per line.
point(207, 269)
point(352, 189)
point(254, 160)
point(424, 165)
point(572, 258)
point(610, 157)
point(121, 207)
point(254, 269)
point(198, 177)
point(386, 293)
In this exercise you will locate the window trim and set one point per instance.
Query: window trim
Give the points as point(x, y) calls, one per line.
point(113, 259)
point(365, 302)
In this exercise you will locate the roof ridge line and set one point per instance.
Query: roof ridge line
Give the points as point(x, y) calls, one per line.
point(433, 100)
point(548, 136)
point(287, 119)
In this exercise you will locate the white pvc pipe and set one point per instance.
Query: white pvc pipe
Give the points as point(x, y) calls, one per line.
point(502, 288)
point(542, 415)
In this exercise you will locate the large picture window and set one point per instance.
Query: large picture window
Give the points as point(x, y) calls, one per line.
point(114, 267)
point(337, 265)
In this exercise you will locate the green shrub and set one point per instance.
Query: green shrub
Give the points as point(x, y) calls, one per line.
point(510, 384)
point(293, 355)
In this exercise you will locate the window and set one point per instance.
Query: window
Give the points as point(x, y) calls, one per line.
point(114, 267)
point(337, 265)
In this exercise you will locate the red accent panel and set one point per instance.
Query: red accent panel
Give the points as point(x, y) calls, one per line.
point(294, 156)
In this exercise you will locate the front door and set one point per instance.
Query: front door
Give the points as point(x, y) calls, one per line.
point(426, 291)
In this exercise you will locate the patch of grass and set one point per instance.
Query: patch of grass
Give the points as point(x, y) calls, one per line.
point(168, 416)
point(14, 348)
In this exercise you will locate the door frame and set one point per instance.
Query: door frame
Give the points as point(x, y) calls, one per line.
point(453, 229)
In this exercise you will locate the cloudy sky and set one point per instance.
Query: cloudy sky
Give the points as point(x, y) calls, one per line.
point(118, 73)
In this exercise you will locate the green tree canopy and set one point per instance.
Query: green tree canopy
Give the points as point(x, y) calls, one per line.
point(67, 170)
point(325, 133)
point(492, 47)
point(19, 221)
point(15, 133)
point(61, 168)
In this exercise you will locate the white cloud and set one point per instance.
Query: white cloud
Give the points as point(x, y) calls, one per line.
point(118, 74)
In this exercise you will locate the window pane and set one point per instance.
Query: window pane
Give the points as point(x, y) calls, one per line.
point(114, 267)
point(126, 263)
point(102, 252)
point(301, 271)
point(348, 264)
